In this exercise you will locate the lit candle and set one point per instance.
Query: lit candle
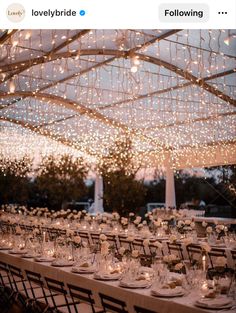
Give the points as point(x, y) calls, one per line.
point(204, 263)
point(147, 276)
point(44, 236)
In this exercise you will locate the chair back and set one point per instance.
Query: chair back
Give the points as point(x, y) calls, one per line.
point(36, 278)
point(113, 305)
point(82, 295)
point(176, 248)
point(18, 280)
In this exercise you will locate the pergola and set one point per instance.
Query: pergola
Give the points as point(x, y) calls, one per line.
point(171, 91)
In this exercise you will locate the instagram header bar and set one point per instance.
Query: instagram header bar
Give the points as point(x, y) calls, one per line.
point(118, 14)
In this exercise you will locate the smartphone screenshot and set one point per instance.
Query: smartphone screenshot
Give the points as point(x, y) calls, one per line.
point(117, 156)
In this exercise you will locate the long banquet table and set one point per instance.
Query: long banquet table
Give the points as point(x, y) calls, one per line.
point(140, 297)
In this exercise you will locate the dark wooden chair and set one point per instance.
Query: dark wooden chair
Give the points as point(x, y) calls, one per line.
point(113, 305)
point(82, 300)
point(175, 248)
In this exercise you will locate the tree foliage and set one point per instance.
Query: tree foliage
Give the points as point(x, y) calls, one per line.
point(14, 180)
point(61, 179)
point(122, 192)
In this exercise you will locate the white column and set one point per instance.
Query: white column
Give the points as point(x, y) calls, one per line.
point(98, 196)
point(170, 185)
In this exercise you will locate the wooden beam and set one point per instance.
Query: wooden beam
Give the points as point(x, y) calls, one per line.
point(185, 74)
point(119, 55)
point(48, 55)
point(69, 54)
point(153, 40)
point(7, 35)
point(169, 89)
point(84, 52)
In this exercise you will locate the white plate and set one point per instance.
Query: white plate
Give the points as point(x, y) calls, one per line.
point(18, 252)
point(135, 284)
point(107, 276)
point(83, 270)
point(62, 263)
point(44, 259)
point(217, 303)
point(168, 293)
point(29, 256)
point(5, 248)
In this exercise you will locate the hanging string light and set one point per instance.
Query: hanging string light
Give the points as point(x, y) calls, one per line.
point(158, 108)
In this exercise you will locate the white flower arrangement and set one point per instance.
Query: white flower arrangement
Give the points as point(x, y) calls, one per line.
point(77, 240)
point(122, 250)
point(220, 261)
point(135, 254)
point(158, 244)
point(157, 223)
point(180, 224)
point(206, 247)
point(130, 238)
point(115, 216)
point(87, 218)
point(204, 224)
point(220, 228)
point(124, 221)
point(209, 229)
point(146, 242)
point(172, 238)
point(104, 219)
point(103, 237)
point(36, 231)
point(137, 220)
point(69, 233)
point(178, 266)
point(187, 222)
point(169, 258)
point(188, 241)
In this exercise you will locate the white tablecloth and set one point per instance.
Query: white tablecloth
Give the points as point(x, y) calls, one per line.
point(140, 297)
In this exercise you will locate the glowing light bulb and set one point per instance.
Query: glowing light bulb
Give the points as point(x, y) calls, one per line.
point(136, 61)
point(15, 43)
point(27, 35)
point(226, 41)
point(12, 86)
point(134, 69)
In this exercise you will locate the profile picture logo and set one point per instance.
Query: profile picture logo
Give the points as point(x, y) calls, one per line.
point(15, 12)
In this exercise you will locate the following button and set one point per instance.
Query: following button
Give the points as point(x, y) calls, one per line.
point(183, 12)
